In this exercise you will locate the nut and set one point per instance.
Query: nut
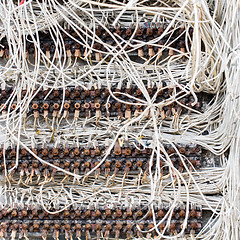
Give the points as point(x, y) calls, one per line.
point(86, 164)
point(14, 106)
point(139, 32)
point(129, 32)
point(138, 92)
point(35, 225)
point(97, 105)
point(44, 152)
point(66, 152)
point(45, 106)
point(86, 151)
point(128, 151)
point(56, 93)
point(118, 105)
point(35, 106)
point(107, 164)
point(78, 226)
point(56, 106)
point(67, 227)
point(66, 105)
point(117, 164)
point(86, 105)
point(76, 151)
point(139, 163)
point(57, 226)
point(129, 164)
point(55, 152)
point(77, 105)
point(3, 106)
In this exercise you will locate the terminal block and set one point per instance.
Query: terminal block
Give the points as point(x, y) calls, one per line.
point(121, 160)
point(100, 40)
point(117, 222)
point(85, 103)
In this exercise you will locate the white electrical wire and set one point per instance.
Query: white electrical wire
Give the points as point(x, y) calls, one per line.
point(209, 66)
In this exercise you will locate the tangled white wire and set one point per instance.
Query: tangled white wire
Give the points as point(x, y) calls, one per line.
point(209, 64)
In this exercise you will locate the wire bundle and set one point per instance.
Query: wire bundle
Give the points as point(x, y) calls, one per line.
point(88, 85)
